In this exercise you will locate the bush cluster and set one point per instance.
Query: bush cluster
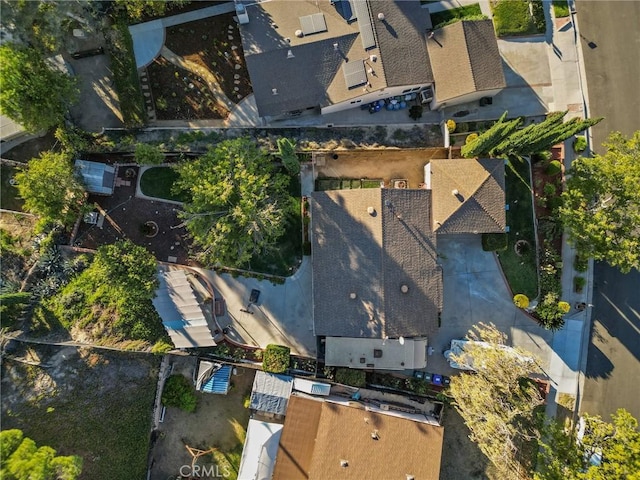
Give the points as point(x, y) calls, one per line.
point(348, 376)
point(179, 392)
point(276, 359)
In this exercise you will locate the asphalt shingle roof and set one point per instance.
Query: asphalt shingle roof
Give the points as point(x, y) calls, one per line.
point(468, 195)
point(374, 274)
point(402, 38)
point(465, 59)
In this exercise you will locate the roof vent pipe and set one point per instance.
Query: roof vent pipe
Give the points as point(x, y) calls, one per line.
point(455, 192)
point(290, 54)
point(381, 17)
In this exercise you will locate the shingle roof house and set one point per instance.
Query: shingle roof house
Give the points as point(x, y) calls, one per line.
point(466, 62)
point(333, 55)
point(375, 273)
point(309, 54)
point(328, 440)
point(468, 195)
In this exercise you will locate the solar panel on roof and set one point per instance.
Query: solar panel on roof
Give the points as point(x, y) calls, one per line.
point(313, 23)
point(354, 73)
point(364, 23)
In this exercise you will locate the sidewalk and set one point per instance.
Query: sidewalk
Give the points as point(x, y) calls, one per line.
point(568, 360)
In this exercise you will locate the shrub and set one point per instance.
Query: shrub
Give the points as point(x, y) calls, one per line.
point(146, 154)
point(348, 376)
point(560, 8)
point(451, 125)
point(564, 307)
point(178, 392)
point(580, 263)
point(161, 347)
point(550, 311)
point(470, 138)
point(549, 189)
point(579, 144)
point(579, 283)
point(521, 301)
point(288, 155)
point(494, 242)
point(554, 167)
point(276, 359)
point(415, 112)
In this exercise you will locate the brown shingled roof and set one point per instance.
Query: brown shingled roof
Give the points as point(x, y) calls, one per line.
point(374, 256)
point(465, 59)
point(297, 441)
point(402, 447)
point(468, 195)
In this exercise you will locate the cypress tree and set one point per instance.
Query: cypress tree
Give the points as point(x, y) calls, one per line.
point(485, 142)
point(529, 133)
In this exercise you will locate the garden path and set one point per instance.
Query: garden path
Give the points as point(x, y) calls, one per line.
point(203, 73)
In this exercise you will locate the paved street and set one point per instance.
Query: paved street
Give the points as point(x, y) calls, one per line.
point(610, 42)
point(612, 362)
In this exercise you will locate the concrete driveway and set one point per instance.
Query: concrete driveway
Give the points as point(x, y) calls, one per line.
point(283, 314)
point(475, 291)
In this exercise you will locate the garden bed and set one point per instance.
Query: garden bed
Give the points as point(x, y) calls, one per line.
point(9, 197)
point(323, 184)
point(179, 94)
point(520, 267)
point(213, 43)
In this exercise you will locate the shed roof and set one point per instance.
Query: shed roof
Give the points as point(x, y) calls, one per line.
point(181, 314)
point(271, 393)
point(260, 450)
point(465, 58)
point(374, 275)
point(468, 195)
point(97, 177)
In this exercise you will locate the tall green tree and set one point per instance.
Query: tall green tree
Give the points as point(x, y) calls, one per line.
point(31, 92)
point(498, 402)
point(238, 201)
point(487, 141)
point(113, 295)
point(288, 155)
point(51, 189)
point(22, 459)
point(601, 205)
point(135, 10)
point(562, 456)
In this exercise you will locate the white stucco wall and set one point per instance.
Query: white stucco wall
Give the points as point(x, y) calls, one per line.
point(368, 97)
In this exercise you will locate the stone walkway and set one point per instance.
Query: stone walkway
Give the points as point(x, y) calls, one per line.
point(203, 73)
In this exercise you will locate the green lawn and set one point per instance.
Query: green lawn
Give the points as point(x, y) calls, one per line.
point(521, 271)
point(560, 8)
point(513, 17)
point(288, 251)
point(9, 199)
point(158, 181)
point(467, 12)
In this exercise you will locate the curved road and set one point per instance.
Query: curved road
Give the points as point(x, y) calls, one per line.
point(610, 41)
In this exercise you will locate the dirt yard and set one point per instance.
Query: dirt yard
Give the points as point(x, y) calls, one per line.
point(93, 403)
point(219, 421)
point(387, 164)
point(127, 215)
point(461, 458)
